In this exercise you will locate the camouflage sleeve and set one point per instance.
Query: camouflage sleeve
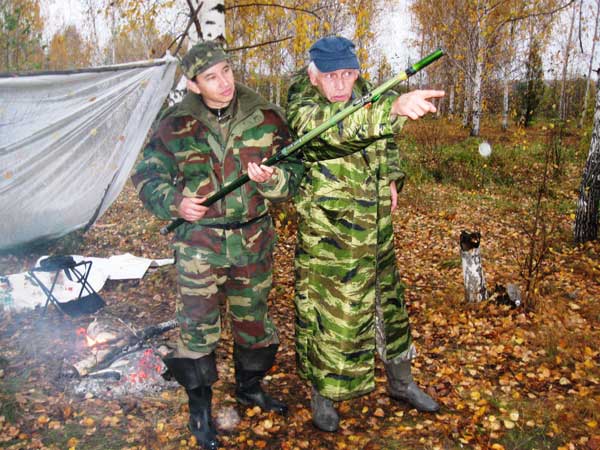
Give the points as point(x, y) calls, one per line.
point(153, 179)
point(355, 132)
point(288, 172)
point(391, 170)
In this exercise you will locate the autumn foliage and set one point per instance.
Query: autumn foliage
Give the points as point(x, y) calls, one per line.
point(506, 378)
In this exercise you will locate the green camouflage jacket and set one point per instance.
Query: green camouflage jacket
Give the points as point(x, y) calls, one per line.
point(191, 155)
point(349, 297)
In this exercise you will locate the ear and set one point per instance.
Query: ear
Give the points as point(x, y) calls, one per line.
point(193, 87)
point(313, 78)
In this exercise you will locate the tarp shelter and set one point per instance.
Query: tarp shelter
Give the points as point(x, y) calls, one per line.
point(68, 141)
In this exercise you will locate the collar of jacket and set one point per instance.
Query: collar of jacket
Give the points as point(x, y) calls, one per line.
point(245, 102)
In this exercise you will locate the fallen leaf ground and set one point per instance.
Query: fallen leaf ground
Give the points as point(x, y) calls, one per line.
point(506, 378)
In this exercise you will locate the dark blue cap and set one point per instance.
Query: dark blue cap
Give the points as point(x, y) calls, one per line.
point(333, 53)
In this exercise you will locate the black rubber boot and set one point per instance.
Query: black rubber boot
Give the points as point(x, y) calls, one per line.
point(251, 367)
point(402, 387)
point(201, 424)
point(197, 376)
point(324, 415)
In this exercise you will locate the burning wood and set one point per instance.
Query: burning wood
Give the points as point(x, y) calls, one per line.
point(109, 344)
point(137, 373)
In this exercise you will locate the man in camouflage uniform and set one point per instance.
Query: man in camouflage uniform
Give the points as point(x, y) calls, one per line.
point(220, 130)
point(349, 297)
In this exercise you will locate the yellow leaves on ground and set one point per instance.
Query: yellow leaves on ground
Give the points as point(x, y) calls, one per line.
point(251, 412)
point(43, 420)
point(265, 428)
point(87, 422)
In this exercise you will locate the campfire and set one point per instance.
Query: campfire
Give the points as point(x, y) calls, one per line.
point(119, 360)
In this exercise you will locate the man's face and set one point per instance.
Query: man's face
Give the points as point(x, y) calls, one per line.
point(216, 85)
point(336, 86)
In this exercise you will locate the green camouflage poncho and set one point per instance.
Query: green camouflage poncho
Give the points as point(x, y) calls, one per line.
point(349, 298)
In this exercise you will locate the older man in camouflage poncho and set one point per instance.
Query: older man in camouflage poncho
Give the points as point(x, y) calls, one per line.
point(220, 130)
point(349, 298)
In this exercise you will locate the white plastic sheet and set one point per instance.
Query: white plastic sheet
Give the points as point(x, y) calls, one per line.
point(20, 291)
point(68, 142)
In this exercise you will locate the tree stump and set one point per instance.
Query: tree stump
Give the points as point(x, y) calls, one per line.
point(474, 279)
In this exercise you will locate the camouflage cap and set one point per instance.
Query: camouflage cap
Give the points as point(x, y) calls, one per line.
point(202, 56)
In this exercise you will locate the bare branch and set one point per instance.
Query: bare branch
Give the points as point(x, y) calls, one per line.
point(291, 8)
point(246, 47)
point(194, 15)
point(580, 22)
point(182, 36)
point(537, 14)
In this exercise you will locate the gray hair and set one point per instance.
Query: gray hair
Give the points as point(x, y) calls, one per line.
point(312, 69)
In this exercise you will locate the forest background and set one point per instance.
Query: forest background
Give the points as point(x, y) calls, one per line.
point(517, 74)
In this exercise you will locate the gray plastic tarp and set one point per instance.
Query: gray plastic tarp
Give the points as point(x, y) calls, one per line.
point(68, 142)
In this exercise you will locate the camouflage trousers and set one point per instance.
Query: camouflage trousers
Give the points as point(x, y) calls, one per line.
point(204, 287)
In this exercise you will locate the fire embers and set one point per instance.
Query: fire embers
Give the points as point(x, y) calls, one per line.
point(92, 339)
point(150, 367)
point(139, 372)
point(119, 360)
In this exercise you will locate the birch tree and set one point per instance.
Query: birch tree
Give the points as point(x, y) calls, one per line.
point(475, 31)
point(272, 39)
point(205, 21)
point(589, 73)
point(586, 218)
point(562, 106)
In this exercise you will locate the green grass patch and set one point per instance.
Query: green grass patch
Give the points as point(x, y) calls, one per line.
point(529, 439)
point(9, 407)
point(111, 439)
point(453, 263)
point(511, 168)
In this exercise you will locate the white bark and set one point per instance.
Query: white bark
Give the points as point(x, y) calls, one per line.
point(586, 218)
point(474, 279)
point(505, 102)
point(212, 19)
point(562, 107)
point(589, 74)
point(212, 22)
point(451, 99)
point(477, 84)
point(467, 103)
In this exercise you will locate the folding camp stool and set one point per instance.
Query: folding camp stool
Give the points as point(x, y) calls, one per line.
point(74, 271)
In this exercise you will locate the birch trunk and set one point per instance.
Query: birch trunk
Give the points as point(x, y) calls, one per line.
point(505, 103)
point(589, 74)
point(211, 17)
point(212, 20)
point(451, 99)
point(467, 104)
point(477, 84)
point(562, 107)
point(586, 219)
